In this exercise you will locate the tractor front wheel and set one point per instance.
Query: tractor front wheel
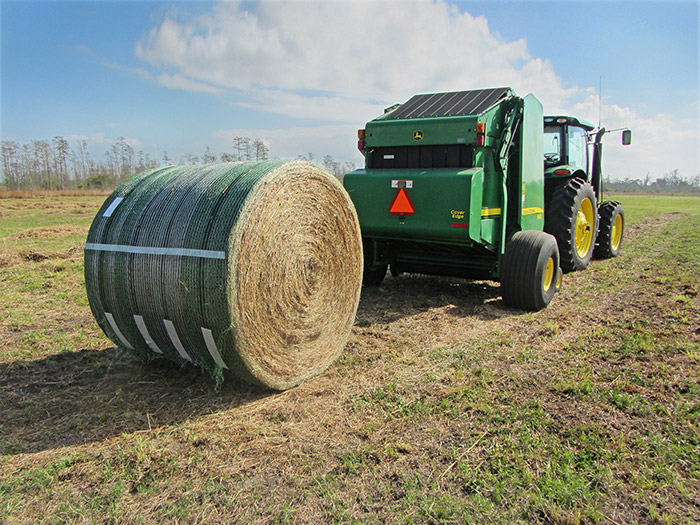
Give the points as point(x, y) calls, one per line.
point(611, 230)
point(530, 273)
point(572, 218)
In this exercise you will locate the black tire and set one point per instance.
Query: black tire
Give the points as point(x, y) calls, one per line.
point(611, 230)
point(530, 273)
point(560, 279)
point(372, 275)
point(572, 218)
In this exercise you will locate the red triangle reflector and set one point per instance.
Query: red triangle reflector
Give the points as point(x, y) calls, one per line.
point(401, 205)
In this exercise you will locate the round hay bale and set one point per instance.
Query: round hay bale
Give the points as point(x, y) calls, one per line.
point(253, 268)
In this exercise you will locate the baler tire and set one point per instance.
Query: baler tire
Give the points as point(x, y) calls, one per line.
point(374, 276)
point(571, 217)
point(530, 272)
point(611, 230)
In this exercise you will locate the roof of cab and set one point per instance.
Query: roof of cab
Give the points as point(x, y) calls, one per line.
point(571, 121)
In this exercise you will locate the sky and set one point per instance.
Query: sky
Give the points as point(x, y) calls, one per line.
point(304, 75)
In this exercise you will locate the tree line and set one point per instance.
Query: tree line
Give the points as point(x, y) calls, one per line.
point(670, 183)
point(55, 165)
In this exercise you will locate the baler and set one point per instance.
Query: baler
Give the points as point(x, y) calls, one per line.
point(454, 184)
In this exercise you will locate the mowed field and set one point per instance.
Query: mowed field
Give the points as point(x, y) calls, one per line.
point(446, 406)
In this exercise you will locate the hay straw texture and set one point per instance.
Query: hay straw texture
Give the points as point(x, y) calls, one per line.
point(249, 269)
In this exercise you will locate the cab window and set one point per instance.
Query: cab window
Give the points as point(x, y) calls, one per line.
point(552, 145)
point(577, 148)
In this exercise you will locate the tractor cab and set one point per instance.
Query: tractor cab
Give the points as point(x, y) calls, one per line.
point(566, 147)
point(573, 149)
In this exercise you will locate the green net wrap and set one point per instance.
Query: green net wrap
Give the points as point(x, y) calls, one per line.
point(251, 270)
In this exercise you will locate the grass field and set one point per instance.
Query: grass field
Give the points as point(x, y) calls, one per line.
point(446, 406)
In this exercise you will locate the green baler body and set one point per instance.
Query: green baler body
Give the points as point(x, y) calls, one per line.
point(469, 199)
point(447, 204)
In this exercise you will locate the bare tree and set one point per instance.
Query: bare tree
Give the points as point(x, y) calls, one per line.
point(124, 159)
point(54, 164)
point(331, 165)
point(188, 158)
point(239, 147)
point(308, 157)
point(243, 148)
point(260, 149)
point(83, 159)
point(208, 156)
point(29, 165)
point(61, 151)
point(42, 153)
point(227, 157)
point(11, 164)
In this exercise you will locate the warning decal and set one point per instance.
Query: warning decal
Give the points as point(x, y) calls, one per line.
point(401, 205)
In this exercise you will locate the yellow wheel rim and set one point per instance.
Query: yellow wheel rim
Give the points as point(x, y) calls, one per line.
point(616, 234)
point(548, 275)
point(585, 220)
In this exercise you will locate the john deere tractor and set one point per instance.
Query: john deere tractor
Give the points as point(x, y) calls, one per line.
point(455, 184)
point(573, 185)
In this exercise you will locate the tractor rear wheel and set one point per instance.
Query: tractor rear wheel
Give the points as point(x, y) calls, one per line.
point(611, 230)
point(572, 218)
point(530, 273)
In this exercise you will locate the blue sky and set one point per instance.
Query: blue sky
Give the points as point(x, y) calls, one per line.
point(303, 76)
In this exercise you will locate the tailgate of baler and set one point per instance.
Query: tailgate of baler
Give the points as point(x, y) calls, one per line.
point(436, 205)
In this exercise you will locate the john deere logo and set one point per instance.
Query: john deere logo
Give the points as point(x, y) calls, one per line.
point(418, 135)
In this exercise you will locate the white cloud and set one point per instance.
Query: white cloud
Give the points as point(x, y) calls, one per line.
point(660, 143)
point(371, 53)
point(344, 62)
point(176, 81)
point(321, 107)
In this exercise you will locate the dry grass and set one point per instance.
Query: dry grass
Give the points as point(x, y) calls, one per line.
point(52, 232)
point(37, 194)
point(446, 406)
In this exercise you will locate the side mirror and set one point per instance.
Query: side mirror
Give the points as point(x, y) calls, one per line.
point(627, 137)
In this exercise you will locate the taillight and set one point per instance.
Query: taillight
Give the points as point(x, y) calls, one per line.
point(562, 171)
point(360, 133)
point(480, 134)
point(361, 144)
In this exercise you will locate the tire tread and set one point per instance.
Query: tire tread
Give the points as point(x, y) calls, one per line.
point(560, 221)
point(607, 212)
